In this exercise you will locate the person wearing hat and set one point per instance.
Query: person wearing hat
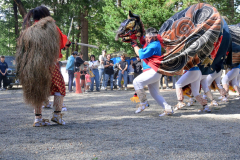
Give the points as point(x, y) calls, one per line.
point(149, 77)
point(70, 70)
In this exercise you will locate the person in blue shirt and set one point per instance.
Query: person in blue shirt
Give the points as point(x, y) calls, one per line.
point(149, 77)
point(70, 70)
point(3, 73)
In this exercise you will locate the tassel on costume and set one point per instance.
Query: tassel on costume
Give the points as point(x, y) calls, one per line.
point(135, 98)
point(187, 91)
point(237, 89)
point(231, 88)
point(214, 86)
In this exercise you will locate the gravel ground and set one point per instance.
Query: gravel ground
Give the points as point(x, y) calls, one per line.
point(103, 126)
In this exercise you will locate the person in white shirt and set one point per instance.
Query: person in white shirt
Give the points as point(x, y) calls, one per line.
point(93, 65)
point(102, 59)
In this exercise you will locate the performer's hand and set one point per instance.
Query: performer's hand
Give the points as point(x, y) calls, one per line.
point(68, 44)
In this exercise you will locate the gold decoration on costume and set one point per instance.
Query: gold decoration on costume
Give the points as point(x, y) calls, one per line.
point(187, 91)
point(135, 99)
point(231, 88)
point(207, 61)
point(138, 34)
point(137, 27)
point(130, 25)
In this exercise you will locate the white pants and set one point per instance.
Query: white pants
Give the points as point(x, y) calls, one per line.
point(204, 83)
point(232, 75)
point(238, 78)
point(193, 78)
point(150, 78)
point(215, 76)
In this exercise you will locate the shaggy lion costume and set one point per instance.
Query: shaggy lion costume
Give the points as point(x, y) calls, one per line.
point(37, 52)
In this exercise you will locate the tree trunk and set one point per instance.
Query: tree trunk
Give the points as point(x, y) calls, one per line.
point(84, 35)
point(118, 3)
point(78, 37)
point(73, 46)
point(21, 8)
point(67, 54)
point(16, 18)
point(232, 13)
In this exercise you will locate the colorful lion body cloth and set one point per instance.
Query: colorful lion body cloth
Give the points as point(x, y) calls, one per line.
point(189, 37)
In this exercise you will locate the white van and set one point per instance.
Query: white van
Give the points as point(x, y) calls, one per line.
point(64, 73)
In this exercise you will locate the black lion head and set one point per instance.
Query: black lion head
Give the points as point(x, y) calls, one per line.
point(130, 28)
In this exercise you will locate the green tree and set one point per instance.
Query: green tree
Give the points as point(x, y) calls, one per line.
point(7, 33)
point(96, 21)
point(153, 14)
point(228, 8)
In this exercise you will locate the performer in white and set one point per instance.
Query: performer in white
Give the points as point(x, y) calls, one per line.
point(207, 92)
point(217, 78)
point(193, 77)
point(149, 76)
point(232, 75)
point(238, 77)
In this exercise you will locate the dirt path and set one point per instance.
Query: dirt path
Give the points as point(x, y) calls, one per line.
point(103, 126)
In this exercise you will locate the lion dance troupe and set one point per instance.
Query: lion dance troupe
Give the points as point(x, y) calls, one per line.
point(196, 43)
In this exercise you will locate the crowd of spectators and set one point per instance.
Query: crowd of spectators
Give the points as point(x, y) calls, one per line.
point(102, 72)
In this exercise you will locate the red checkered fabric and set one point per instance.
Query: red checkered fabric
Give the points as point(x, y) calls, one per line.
point(58, 84)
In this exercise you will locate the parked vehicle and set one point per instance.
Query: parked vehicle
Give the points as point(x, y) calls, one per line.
point(11, 77)
point(63, 71)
